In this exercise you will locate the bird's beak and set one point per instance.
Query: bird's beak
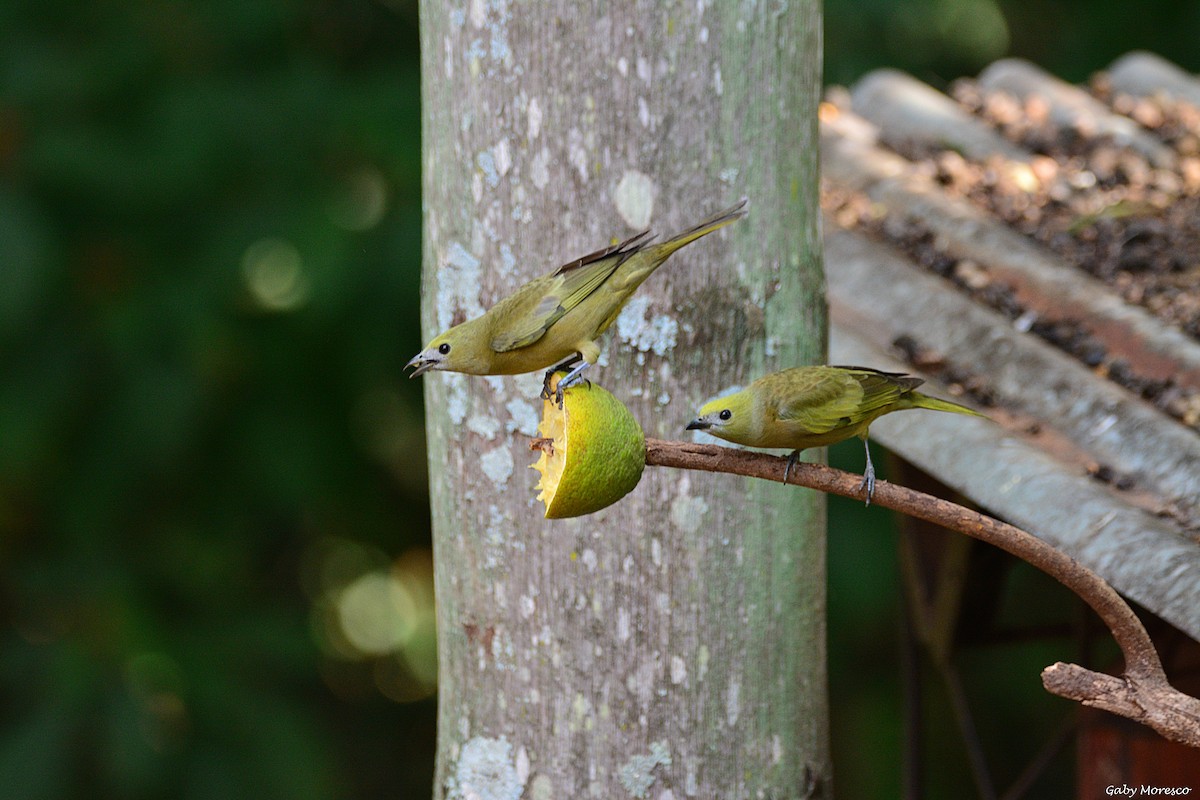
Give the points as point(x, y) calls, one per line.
point(422, 362)
point(698, 424)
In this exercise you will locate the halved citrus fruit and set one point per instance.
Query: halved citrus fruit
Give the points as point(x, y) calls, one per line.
point(592, 451)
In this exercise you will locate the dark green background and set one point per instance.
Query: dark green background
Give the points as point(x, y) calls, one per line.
point(209, 262)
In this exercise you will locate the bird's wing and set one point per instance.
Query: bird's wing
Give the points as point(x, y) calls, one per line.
point(823, 399)
point(563, 290)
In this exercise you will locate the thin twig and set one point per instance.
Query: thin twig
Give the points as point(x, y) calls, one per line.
point(1141, 694)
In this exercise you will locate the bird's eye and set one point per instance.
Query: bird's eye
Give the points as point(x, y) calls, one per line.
point(444, 348)
point(725, 414)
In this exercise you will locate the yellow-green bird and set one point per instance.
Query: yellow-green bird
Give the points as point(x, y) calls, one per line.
point(807, 407)
point(554, 321)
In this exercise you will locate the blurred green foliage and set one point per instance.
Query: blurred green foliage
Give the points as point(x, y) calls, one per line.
point(940, 40)
point(209, 254)
point(209, 457)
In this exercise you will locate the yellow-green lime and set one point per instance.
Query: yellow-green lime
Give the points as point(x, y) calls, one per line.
point(593, 451)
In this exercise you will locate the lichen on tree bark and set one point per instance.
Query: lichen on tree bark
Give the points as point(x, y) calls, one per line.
point(674, 641)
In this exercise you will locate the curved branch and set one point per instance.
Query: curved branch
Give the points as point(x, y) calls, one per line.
point(1142, 693)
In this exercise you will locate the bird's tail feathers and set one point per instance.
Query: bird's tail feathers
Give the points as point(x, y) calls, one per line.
point(709, 225)
point(918, 400)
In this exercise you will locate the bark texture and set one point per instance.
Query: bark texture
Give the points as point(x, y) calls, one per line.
point(672, 645)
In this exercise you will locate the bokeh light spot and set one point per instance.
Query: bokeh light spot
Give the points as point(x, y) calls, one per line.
point(377, 613)
point(975, 30)
point(274, 275)
point(360, 200)
point(375, 619)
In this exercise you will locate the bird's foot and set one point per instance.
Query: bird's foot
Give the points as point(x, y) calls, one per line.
point(547, 392)
point(791, 462)
point(569, 380)
point(868, 483)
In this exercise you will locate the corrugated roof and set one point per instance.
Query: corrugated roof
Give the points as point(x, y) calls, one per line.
point(1035, 246)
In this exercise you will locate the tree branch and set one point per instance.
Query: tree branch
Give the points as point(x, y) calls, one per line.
point(1142, 693)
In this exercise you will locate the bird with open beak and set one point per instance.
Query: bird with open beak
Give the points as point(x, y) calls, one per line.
point(554, 321)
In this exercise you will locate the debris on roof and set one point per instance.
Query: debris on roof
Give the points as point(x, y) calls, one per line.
point(1034, 246)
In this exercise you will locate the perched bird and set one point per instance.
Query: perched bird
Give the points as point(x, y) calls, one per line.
point(554, 321)
point(807, 407)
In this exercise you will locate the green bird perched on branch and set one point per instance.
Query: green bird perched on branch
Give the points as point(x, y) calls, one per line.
point(554, 321)
point(814, 406)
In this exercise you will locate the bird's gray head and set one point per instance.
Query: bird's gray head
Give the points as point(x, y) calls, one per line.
point(714, 419)
point(432, 357)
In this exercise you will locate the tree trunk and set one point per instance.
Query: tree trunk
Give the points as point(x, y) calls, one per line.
point(673, 644)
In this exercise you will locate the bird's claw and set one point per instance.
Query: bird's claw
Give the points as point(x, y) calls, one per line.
point(791, 462)
point(558, 393)
point(868, 480)
point(570, 379)
point(868, 483)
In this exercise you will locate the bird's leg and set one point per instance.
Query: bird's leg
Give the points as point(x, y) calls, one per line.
point(546, 393)
point(868, 481)
point(570, 379)
point(791, 462)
